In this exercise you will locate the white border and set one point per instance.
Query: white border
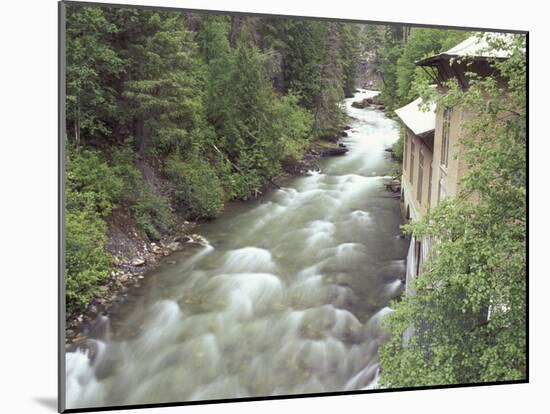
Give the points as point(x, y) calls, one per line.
point(28, 207)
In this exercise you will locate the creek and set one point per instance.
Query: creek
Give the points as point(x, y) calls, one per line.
point(287, 297)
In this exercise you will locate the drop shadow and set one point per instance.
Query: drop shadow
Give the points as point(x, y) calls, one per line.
point(48, 402)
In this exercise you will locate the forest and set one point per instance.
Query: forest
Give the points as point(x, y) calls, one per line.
point(174, 114)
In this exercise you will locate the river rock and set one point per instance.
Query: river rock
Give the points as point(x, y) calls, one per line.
point(156, 249)
point(138, 261)
point(88, 347)
point(365, 103)
point(174, 246)
point(197, 239)
point(333, 151)
point(185, 238)
point(394, 186)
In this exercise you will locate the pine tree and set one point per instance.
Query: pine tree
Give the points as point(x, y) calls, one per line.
point(92, 63)
point(164, 91)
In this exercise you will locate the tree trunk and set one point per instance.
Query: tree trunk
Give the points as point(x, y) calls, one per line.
point(141, 138)
point(77, 123)
point(236, 23)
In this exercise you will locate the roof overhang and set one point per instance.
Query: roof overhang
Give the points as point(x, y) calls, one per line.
point(420, 122)
point(473, 48)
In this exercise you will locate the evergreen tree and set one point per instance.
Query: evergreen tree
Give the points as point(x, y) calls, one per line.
point(390, 52)
point(165, 90)
point(92, 63)
point(350, 53)
point(421, 43)
point(327, 114)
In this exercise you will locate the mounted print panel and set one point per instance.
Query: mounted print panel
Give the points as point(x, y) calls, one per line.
point(258, 206)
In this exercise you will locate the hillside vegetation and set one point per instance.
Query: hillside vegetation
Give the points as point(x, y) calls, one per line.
point(173, 114)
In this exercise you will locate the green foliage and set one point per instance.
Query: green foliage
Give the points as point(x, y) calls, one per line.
point(213, 40)
point(480, 258)
point(152, 213)
point(395, 59)
point(92, 185)
point(398, 146)
point(292, 125)
point(87, 262)
point(197, 185)
point(349, 55)
point(150, 209)
point(91, 193)
point(319, 63)
point(92, 63)
point(256, 128)
point(421, 43)
point(165, 91)
point(149, 101)
point(388, 55)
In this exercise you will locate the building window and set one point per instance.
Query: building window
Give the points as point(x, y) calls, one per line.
point(405, 139)
point(420, 177)
point(445, 136)
point(411, 172)
point(442, 192)
point(418, 256)
point(430, 187)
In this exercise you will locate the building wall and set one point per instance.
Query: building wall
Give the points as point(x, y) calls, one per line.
point(411, 175)
point(419, 250)
point(445, 180)
point(448, 175)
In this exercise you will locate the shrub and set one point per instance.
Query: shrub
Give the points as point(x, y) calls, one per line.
point(92, 190)
point(151, 210)
point(152, 213)
point(91, 183)
point(197, 185)
point(87, 261)
point(123, 164)
point(398, 146)
point(292, 126)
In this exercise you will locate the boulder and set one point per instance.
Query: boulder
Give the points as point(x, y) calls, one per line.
point(197, 239)
point(328, 152)
point(156, 249)
point(364, 103)
point(174, 246)
point(394, 186)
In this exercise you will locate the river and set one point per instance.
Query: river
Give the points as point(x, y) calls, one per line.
point(287, 297)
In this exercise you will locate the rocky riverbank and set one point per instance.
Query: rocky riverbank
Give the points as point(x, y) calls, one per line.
point(372, 103)
point(319, 148)
point(133, 257)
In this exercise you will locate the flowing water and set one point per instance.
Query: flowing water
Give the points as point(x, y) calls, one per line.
point(287, 297)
